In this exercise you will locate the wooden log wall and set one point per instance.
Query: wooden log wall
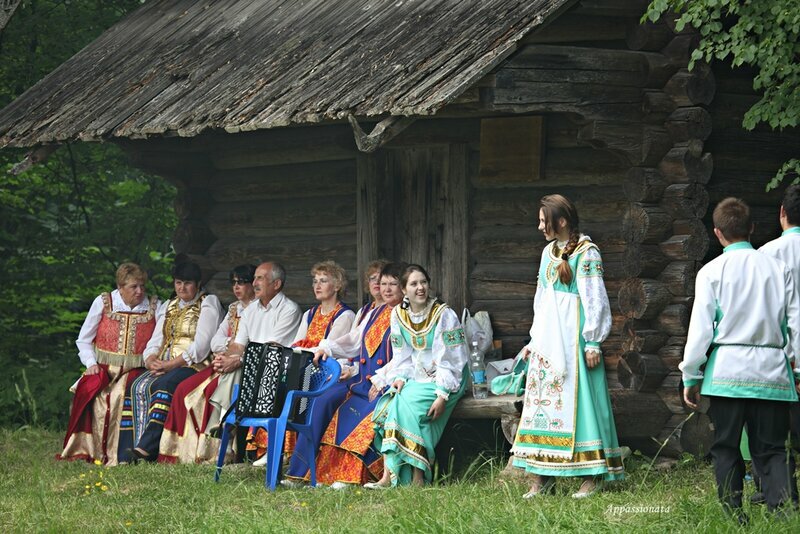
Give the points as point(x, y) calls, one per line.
point(288, 196)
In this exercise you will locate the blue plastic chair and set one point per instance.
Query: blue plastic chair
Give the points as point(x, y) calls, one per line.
point(324, 377)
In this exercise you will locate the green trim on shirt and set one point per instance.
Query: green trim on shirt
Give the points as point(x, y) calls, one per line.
point(792, 230)
point(739, 245)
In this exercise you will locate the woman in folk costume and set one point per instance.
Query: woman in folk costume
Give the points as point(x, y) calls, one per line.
point(567, 427)
point(178, 349)
point(347, 454)
point(202, 399)
point(110, 344)
point(330, 318)
point(372, 279)
point(427, 379)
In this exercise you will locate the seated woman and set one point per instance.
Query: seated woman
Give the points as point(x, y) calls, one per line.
point(330, 318)
point(346, 453)
point(427, 379)
point(110, 344)
point(372, 279)
point(178, 349)
point(193, 405)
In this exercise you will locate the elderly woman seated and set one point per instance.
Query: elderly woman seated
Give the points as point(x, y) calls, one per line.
point(110, 344)
point(179, 348)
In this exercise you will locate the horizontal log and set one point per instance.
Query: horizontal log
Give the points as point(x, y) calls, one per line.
point(680, 48)
point(641, 298)
point(691, 88)
point(642, 145)
point(322, 179)
point(671, 355)
point(509, 318)
point(258, 218)
point(638, 414)
point(192, 236)
point(687, 164)
point(671, 393)
point(685, 247)
point(521, 206)
point(656, 106)
point(295, 252)
point(646, 224)
point(645, 261)
point(572, 28)
point(631, 9)
point(697, 435)
point(641, 372)
point(648, 36)
point(642, 337)
point(502, 281)
point(685, 124)
point(492, 407)
point(644, 184)
point(679, 277)
point(574, 65)
point(684, 201)
point(674, 320)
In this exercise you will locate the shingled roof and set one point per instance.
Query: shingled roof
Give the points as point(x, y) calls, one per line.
point(179, 67)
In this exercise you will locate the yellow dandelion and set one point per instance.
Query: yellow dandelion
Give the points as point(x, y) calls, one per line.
point(97, 484)
point(104, 487)
point(358, 492)
point(100, 474)
point(128, 523)
point(86, 492)
point(87, 486)
point(82, 475)
point(98, 462)
point(303, 504)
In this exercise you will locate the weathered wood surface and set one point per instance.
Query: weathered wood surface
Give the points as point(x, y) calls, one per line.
point(691, 88)
point(187, 66)
point(687, 164)
point(638, 336)
point(685, 247)
point(645, 261)
point(646, 224)
point(685, 124)
point(674, 320)
point(644, 184)
point(641, 372)
point(685, 201)
point(295, 252)
point(641, 298)
point(648, 36)
point(679, 277)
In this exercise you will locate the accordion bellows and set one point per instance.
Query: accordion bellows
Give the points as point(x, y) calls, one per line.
point(269, 372)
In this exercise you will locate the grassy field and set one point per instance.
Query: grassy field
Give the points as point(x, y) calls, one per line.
point(39, 494)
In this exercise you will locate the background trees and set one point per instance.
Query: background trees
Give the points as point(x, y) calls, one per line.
point(65, 225)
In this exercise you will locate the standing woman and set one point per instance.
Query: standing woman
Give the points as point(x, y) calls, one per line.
point(567, 427)
point(427, 379)
point(330, 318)
point(200, 400)
point(178, 349)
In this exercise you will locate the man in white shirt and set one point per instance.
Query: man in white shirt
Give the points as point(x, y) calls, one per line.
point(745, 310)
point(786, 248)
point(274, 318)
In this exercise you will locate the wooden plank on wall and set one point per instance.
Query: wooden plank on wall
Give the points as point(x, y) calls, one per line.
point(512, 149)
point(367, 183)
point(454, 194)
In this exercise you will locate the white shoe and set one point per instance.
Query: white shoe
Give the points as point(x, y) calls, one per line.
point(261, 462)
point(340, 485)
point(376, 486)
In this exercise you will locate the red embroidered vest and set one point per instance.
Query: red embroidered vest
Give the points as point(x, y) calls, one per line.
point(122, 336)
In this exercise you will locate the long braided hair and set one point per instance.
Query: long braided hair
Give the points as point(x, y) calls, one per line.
point(555, 207)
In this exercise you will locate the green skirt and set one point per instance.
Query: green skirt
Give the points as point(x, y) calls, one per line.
point(404, 433)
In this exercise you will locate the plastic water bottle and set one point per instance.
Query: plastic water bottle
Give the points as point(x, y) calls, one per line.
point(480, 389)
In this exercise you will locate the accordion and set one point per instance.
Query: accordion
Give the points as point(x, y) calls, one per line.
point(269, 372)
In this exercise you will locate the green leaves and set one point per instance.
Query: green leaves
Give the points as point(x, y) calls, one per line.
point(764, 34)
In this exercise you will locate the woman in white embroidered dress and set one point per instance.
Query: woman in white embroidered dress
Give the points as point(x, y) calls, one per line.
point(567, 427)
point(427, 379)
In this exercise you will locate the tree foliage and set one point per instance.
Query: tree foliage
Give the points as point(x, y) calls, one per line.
point(761, 33)
point(67, 224)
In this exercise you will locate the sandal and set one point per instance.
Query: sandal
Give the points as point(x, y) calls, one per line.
point(545, 485)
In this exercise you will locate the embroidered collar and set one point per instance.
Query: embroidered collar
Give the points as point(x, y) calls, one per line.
point(434, 310)
point(739, 245)
point(792, 230)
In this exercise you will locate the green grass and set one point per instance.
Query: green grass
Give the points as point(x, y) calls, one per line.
point(38, 493)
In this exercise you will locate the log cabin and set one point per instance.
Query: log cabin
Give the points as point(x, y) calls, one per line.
point(426, 131)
